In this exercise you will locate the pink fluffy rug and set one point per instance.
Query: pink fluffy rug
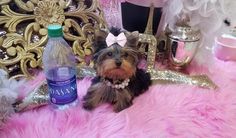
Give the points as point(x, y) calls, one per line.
point(164, 111)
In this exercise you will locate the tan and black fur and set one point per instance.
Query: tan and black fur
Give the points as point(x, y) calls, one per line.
point(116, 63)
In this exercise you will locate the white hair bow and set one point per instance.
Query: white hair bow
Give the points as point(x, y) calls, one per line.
point(120, 39)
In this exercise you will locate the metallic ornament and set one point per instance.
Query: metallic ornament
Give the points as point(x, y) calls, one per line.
point(182, 46)
point(151, 54)
point(49, 12)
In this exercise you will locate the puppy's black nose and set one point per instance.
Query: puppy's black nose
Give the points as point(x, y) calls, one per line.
point(118, 63)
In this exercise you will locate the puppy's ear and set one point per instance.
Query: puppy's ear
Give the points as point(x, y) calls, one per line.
point(99, 40)
point(132, 39)
point(99, 43)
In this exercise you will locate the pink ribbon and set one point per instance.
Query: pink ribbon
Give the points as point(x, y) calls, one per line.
point(120, 39)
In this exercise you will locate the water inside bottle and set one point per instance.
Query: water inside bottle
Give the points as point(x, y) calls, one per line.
point(62, 87)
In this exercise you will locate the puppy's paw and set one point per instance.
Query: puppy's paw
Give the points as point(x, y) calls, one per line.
point(117, 110)
point(88, 106)
point(117, 107)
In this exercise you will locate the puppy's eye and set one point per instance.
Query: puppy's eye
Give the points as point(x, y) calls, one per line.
point(109, 54)
point(126, 54)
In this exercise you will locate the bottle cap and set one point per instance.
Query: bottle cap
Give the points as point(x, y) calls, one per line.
point(55, 30)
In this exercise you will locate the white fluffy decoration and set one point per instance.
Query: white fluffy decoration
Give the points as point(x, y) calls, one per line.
point(206, 15)
point(8, 95)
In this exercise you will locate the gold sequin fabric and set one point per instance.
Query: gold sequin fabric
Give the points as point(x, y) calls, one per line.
point(168, 76)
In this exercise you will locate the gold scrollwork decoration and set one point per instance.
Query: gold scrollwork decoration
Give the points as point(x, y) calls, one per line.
point(4, 2)
point(23, 33)
point(11, 18)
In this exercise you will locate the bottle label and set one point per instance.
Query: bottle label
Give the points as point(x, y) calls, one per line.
point(62, 92)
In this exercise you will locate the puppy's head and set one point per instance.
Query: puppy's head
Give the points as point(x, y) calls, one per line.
point(116, 54)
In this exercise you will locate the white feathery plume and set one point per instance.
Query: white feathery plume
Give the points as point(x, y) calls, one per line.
point(8, 95)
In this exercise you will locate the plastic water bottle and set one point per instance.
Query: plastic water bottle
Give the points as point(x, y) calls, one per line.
point(60, 69)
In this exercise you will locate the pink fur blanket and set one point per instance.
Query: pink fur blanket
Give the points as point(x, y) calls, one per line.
point(164, 111)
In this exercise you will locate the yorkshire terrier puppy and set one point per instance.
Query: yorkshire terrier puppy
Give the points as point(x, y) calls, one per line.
point(118, 79)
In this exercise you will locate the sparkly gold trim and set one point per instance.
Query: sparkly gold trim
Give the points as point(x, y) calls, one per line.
point(168, 76)
point(38, 97)
point(152, 47)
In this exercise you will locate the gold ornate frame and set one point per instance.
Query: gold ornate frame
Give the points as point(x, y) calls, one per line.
point(23, 33)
